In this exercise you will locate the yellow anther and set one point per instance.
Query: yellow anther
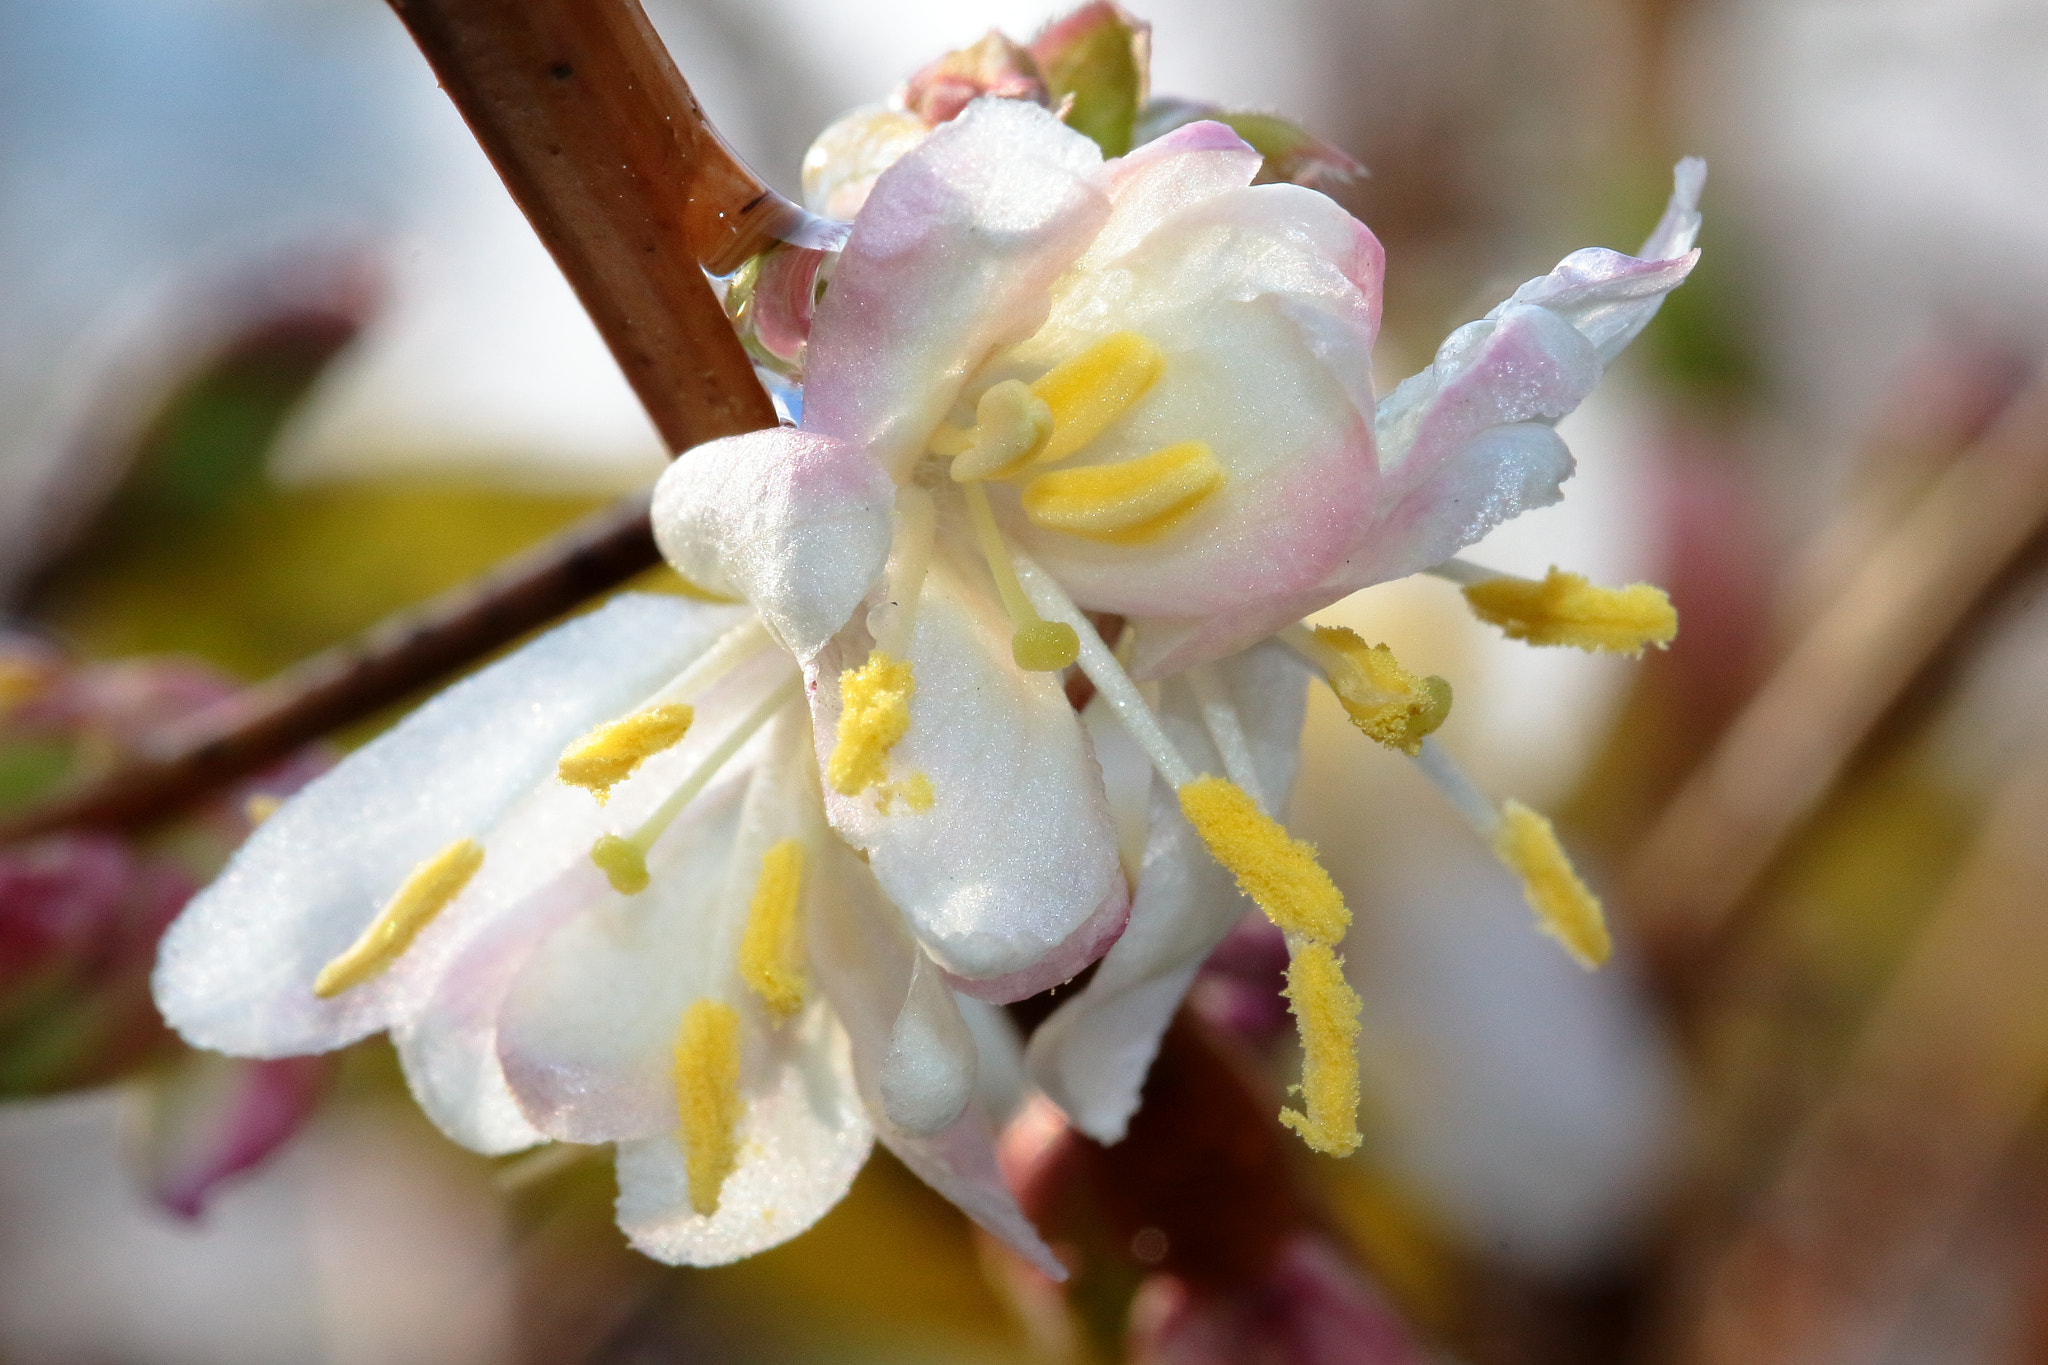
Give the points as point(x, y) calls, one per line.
point(707, 1072)
point(623, 862)
point(1280, 873)
point(609, 754)
point(1129, 502)
point(260, 807)
point(1326, 1014)
point(1087, 392)
point(1564, 609)
point(1011, 424)
point(1527, 845)
point(1045, 646)
point(423, 895)
point(874, 712)
point(772, 946)
point(1383, 699)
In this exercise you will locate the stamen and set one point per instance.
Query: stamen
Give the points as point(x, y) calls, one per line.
point(707, 1075)
point(771, 948)
point(1568, 912)
point(260, 807)
point(623, 860)
point(1526, 845)
point(1011, 424)
point(1087, 392)
point(1326, 1014)
point(423, 895)
point(874, 712)
point(1128, 502)
point(1279, 872)
point(1564, 609)
point(1384, 700)
point(1039, 646)
point(609, 754)
point(1220, 719)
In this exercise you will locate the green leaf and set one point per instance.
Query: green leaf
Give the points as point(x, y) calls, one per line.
point(1100, 58)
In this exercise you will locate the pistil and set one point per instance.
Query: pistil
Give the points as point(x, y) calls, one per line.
point(1038, 646)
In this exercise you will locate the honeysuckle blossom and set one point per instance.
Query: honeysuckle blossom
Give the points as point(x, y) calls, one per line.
point(741, 1023)
point(1493, 394)
point(1042, 385)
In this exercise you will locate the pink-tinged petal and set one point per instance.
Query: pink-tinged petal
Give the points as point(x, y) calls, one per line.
point(804, 1137)
point(1092, 1054)
point(1194, 162)
point(953, 256)
point(210, 1118)
point(1311, 1308)
point(797, 524)
point(865, 961)
point(1063, 963)
point(1017, 850)
point(1264, 303)
point(235, 973)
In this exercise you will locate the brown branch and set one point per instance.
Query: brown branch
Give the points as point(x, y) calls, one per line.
point(260, 725)
point(1783, 754)
point(604, 149)
point(608, 154)
point(1945, 1076)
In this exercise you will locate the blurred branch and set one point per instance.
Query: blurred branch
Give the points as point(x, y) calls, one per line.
point(604, 149)
point(260, 725)
point(1784, 752)
point(1949, 1068)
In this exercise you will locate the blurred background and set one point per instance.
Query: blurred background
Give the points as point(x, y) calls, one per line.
point(257, 275)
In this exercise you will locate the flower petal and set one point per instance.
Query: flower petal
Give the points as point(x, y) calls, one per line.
point(1092, 1054)
point(953, 255)
point(1194, 162)
point(450, 1044)
point(1017, 852)
point(865, 960)
point(235, 972)
point(804, 1138)
point(928, 1073)
point(797, 524)
point(1265, 303)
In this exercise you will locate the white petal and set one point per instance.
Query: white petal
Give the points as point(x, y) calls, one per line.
point(953, 255)
point(928, 1073)
point(539, 856)
point(1017, 853)
point(1091, 1056)
point(804, 1138)
point(235, 972)
point(587, 1031)
point(797, 524)
point(864, 961)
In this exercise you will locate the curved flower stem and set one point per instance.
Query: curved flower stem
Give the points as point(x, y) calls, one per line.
point(604, 149)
